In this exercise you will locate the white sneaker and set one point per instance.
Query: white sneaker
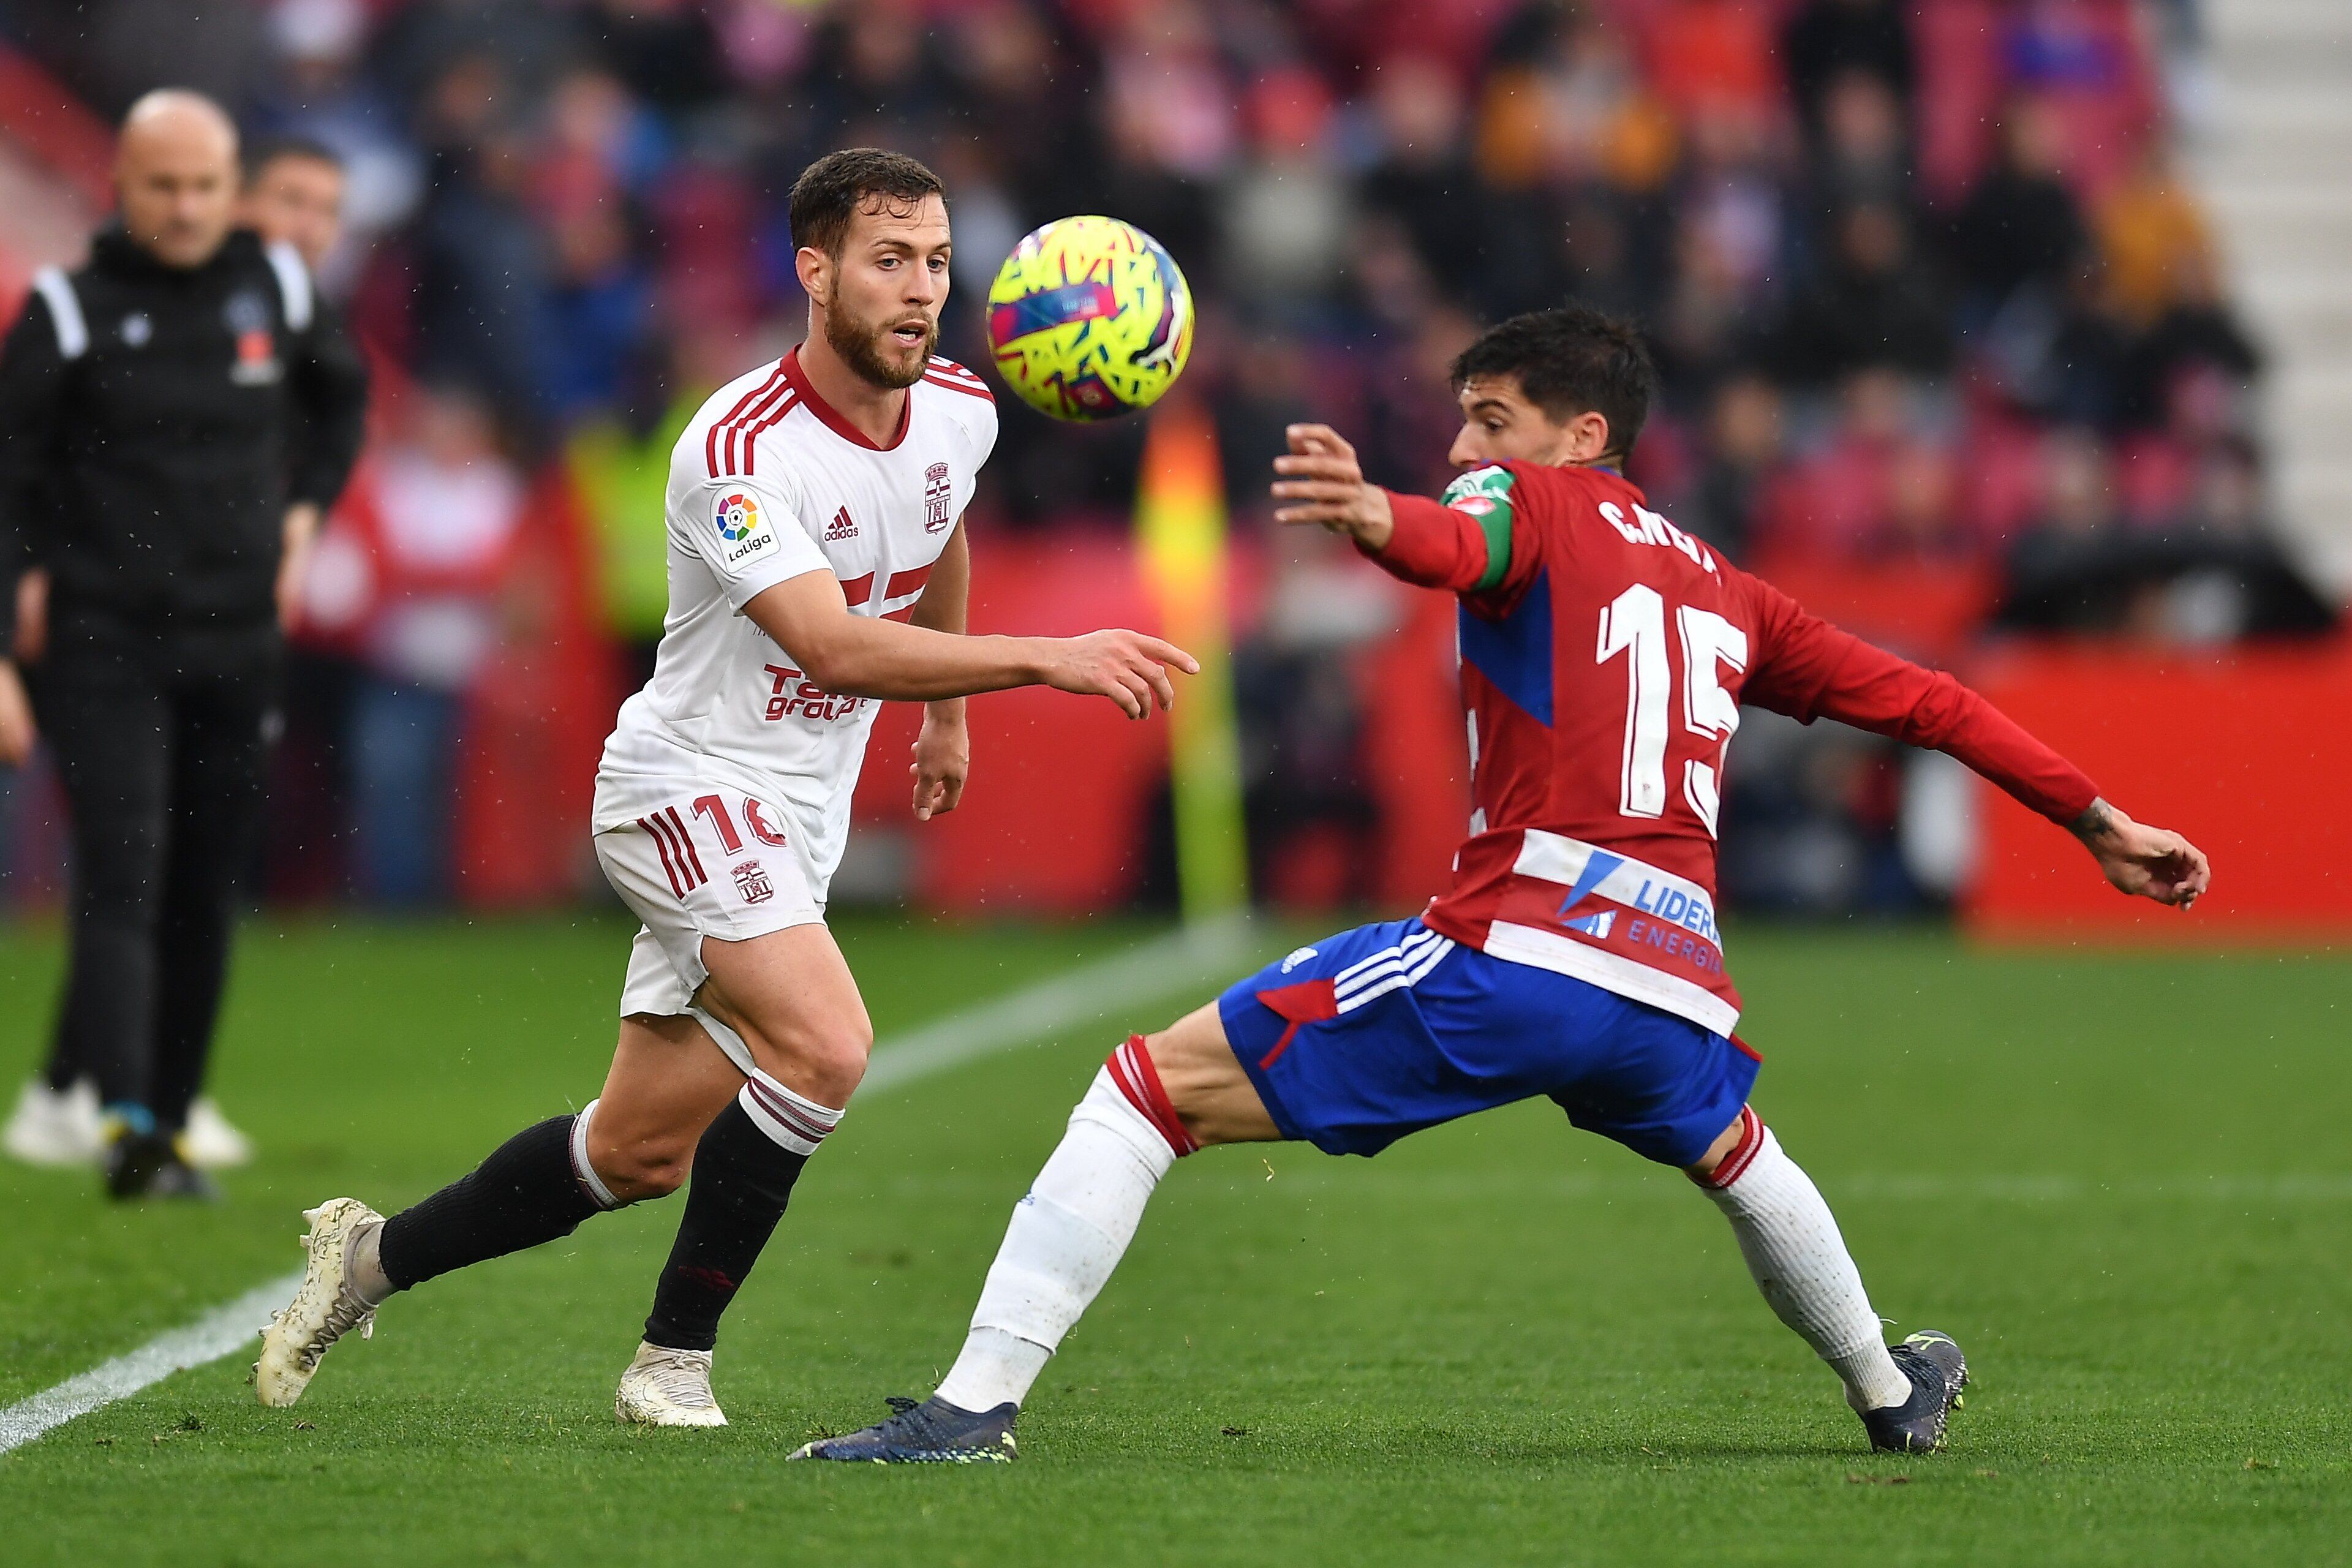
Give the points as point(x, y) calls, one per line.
point(664, 1387)
point(209, 1143)
point(323, 1311)
point(52, 1129)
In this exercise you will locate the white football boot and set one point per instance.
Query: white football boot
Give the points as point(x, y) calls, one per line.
point(52, 1129)
point(209, 1142)
point(323, 1311)
point(665, 1387)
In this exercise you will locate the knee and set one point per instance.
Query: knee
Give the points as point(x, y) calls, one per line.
point(833, 1060)
point(1733, 1151)
point(1129, 1094)
point(1194, 1075)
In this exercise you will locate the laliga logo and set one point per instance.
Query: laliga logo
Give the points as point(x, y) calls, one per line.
point(738, 516)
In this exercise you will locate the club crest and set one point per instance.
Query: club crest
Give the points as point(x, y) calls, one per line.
point(752, 882)
point(939, 498)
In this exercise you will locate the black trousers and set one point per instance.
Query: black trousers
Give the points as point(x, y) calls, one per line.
point(161, 742)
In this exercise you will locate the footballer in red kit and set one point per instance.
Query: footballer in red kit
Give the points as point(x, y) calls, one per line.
point(1605, 654)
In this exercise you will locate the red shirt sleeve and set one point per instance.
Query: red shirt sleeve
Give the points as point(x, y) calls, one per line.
point(1808, 669)
point(1433, 545)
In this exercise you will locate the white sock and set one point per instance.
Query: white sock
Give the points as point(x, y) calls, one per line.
point(994, 1366)
point(1792, 1247)
point(1065, 1238)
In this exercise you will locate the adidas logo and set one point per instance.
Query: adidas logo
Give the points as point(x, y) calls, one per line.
point(841, 527)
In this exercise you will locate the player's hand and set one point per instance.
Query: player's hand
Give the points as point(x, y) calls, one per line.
point(942, 761)
point(17, 731)
point(1322, 483)
point(2146, 862)
point(1129, 668)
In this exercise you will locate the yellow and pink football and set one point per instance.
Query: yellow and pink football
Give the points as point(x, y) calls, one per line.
point(1089, 319)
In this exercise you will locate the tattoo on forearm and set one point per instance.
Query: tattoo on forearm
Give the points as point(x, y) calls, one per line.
point(2097, 819)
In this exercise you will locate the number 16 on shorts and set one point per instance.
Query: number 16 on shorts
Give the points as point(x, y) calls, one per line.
point(719, 858)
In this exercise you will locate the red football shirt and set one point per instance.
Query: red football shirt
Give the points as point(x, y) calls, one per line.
point(1602, 673)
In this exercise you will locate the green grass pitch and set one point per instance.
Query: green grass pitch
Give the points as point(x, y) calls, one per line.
point(2122, 1181)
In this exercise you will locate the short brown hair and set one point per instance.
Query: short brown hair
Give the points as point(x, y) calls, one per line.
point(1570, 361)
point(839, 185)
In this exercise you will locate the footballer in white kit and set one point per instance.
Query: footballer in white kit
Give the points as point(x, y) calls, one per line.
point(818, 566)
point(722, 805)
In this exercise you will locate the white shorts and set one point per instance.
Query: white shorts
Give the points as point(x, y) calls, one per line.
point(712, 862)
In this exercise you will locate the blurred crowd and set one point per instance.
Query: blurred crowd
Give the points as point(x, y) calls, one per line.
point(1933, 300)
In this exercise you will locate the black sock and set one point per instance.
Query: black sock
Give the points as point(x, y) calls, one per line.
point(64, 1066)
point(526, 1193)
point(741, 1181)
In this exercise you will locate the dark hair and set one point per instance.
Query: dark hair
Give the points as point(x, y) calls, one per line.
point(1570, 361)
point(839, 185)
point(264, 153)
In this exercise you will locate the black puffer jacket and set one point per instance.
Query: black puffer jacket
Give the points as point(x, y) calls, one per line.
point(156, 423)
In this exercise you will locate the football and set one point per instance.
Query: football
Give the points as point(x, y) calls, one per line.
point(1089, 319)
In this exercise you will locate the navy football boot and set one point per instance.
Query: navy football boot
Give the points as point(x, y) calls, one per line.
point(929, 1432)
point(1938, 1371)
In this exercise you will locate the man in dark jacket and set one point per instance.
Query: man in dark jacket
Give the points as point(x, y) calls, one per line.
point(174, 416)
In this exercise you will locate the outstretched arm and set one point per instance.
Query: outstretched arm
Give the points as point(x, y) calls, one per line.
point(859, 656)
point(1465, 543)
point(1322, 483)
point(1809, 668)
point(2151, 862)
point(1462, 544)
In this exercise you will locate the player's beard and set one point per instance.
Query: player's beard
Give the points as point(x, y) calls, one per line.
point(869, 349)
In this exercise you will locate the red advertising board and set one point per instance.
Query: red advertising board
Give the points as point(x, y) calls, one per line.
point(2247, 751)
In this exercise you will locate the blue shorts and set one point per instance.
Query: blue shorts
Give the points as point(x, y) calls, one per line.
point(1386, 1030)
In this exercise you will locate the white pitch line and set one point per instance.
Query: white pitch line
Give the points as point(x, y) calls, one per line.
point(1086, 995)
point(208, 1339)
point(1089, 994)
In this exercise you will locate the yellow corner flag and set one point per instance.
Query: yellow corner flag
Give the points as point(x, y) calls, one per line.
point(1179, 523)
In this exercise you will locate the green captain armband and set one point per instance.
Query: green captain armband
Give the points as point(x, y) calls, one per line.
point(1486, 494)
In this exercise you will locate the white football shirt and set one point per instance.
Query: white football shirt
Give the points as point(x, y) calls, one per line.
point(767, 483)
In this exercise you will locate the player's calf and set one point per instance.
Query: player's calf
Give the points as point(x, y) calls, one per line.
point(745, 1167)
point(536, 1186)
point(634, 1156)
point(643, 1171)
point(802, 1036)
point(669, 1077)
point(1799, 1262)
point(1066, 1236)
